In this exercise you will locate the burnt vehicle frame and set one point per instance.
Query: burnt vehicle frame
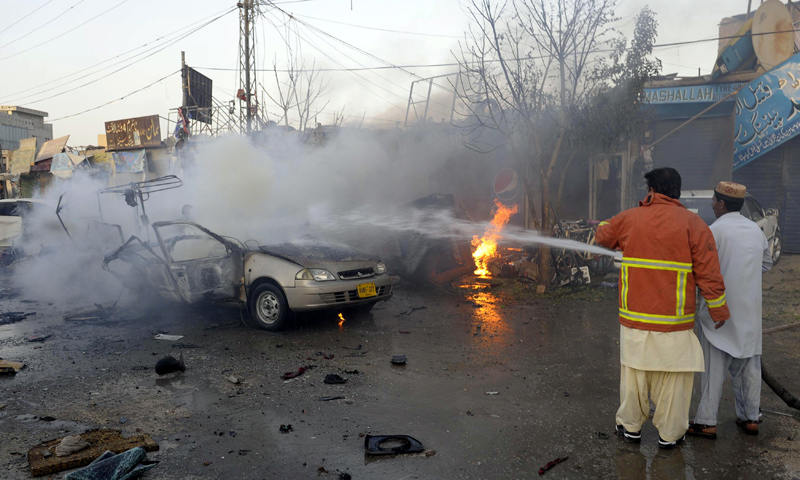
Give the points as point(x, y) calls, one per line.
point(197, 265)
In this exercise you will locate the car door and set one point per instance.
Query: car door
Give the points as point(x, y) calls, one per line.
point(203, 265)
point(756, 214)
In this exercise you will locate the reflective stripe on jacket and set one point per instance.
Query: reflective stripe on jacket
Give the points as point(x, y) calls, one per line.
point(668, 252)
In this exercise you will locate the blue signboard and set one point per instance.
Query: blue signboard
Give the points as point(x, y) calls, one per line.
point(708, 93)
point(767, 112)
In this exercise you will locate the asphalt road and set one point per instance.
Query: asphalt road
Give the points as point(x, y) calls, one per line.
point(552, 360)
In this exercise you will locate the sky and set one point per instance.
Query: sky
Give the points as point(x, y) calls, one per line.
point(51, 59)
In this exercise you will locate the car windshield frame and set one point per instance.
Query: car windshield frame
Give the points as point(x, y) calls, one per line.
point(702, 205)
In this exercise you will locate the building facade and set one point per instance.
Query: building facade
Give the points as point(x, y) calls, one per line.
point(17, 123)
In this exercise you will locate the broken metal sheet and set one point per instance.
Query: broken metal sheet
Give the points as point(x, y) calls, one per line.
point(130, 162)
point(99, 441)
point(21, 160)
point(51, 148)
point(62, 165)
point(28, 144)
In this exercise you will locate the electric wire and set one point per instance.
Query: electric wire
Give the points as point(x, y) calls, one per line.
point(163, 47)
point(72, 29)
point(41, 26)
point(378, 29)
point(28, 15)
point(83, 71)
point(117, 99)
point(714, 39)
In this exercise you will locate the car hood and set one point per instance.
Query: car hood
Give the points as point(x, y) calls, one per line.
point(317, 254)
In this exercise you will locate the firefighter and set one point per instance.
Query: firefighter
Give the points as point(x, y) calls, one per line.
point(668, 252)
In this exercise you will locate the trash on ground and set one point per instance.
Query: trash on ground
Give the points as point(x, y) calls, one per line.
point(351, 372)
point(99, 441)
point(169, 364)
point(359, 347)
point(328, 399)
point(404, 331)
point(327, 357)
point(98, 313)
point(285, 428)
point(334, 379)
point(411, 310)
point(8, 318)
point(9, 292)
point(70, 445)
point(492, 393)
point(392, 444)
point(170, 338)
point(358, 354)
point(10, 368)
point(399, 360)
point(39, 339)
point(300, 371)
point(233, 379)
point(551, 465)
point(108, 466)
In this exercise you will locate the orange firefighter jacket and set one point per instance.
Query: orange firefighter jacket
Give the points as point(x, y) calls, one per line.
point(667, 252)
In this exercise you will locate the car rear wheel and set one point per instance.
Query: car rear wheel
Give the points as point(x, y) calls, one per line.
point(268, 307)
point(776, 249)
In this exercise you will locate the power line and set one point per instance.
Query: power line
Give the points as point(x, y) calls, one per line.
point(42, 25)
point(72, 29)
point(172, 42)
point(116, 100)
point(714, 39)
point(26, 16)
point(345, 69)
point(83, 71)
point(378, 29)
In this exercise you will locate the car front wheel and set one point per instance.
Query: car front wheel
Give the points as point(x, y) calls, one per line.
point(776, 249)
point(268, 307)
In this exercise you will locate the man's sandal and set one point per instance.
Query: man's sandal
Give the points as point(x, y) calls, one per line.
point(700, 430)
point(749, 427)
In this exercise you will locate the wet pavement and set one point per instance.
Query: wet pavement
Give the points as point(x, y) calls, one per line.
point(552, 360)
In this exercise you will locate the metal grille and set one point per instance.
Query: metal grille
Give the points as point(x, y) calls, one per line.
point(351, 295)
point(357, 273)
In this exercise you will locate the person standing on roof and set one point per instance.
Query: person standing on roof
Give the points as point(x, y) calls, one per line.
point(743, 256)
point(668, 253)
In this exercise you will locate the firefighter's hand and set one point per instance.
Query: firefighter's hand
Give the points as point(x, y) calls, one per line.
point(719, 324)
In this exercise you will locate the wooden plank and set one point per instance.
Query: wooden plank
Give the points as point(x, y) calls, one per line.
point(99, 441)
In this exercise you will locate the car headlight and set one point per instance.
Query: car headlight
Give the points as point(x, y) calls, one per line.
point(380, 268)
point(321, 275)
point(304, 274)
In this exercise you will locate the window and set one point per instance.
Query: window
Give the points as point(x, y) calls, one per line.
point(185, 242)
point(756, 213)
point(9, 210)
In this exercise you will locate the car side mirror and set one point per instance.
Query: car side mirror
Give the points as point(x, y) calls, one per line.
point(772, 212)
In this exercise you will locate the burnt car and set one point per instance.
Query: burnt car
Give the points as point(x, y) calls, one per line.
point(699, 202)
point(189, 263)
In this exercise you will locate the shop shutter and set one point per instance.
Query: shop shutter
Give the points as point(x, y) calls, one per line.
point(691, 150)
point(790, 207)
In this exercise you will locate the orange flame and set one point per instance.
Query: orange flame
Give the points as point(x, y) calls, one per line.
point(486, 246)
point(341, 321)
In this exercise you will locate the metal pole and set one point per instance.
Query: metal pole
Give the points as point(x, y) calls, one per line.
point(428, 100)
point(184, 82)
point(410, 99)
point(248, 5)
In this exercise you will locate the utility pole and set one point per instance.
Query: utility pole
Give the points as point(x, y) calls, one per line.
point(184, 82)
point(247, 61)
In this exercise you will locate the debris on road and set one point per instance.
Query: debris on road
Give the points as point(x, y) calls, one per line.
point(405, 331)
point(10, 368)
point(185, 345)
point(601, 435)
point(8, 318)
point(169, 364)
point(608, 285)
point(39, 339)
point(233, 379)
point(170, 338)
point(98, 313)
point(392, 444)
point(285, 428)
point(70, 445)
point(9, 292)
point(334, 379)
point(351, 372)
point(328, 399)
point(300, 371)
point(108, 466)
point(47, 418)
point(399, 360)
point(357, 354)
point(550, 465)
point(327, 357)
point(411, 310)
point(123, 419)
point(492, 393)
point(99, 441)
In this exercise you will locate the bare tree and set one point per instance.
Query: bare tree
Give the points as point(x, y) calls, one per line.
point(529, 67)
point(298, 90)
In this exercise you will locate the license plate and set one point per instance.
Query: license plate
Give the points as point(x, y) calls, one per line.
point(366, 290)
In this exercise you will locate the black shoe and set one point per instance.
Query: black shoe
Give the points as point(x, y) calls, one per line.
point(630, 437)
point(670, 445)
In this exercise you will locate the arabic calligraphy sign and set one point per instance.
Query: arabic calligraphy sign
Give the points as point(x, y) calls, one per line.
point(133, 133)
point(767, 112)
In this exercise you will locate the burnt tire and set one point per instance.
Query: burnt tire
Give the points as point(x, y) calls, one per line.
point(268, 307)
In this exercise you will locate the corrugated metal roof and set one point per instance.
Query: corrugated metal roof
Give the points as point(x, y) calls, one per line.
point(52, 147)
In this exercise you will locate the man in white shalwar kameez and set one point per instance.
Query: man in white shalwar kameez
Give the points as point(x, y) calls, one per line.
point(736, 349)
